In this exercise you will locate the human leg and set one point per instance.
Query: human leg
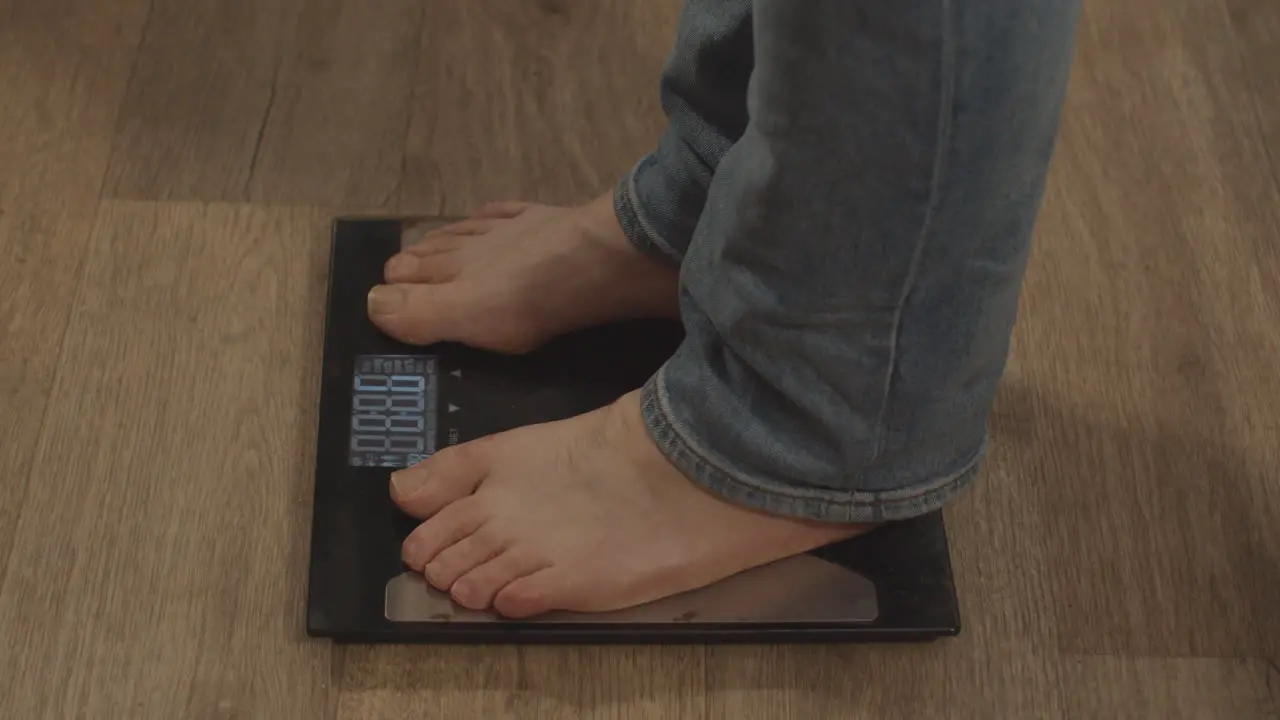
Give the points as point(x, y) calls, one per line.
point(848, 296)
point(850, 292)
point(704, 94)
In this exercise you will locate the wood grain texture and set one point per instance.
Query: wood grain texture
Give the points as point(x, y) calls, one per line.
point(1141, 388)
point(200, 92)
point(158, 567)
point(1169, 689)
point(43, 254)
point(952, 679)
point(272, 101)
point(1256, 27)
point(546, 101)
point(334, 132)
point(1256, 34)
point(962, 681)
point(530, 682)
point(64, 65)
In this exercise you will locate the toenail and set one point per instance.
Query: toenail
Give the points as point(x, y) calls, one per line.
point(401, 265)
point(408, 482)
point(462, 592)
point(434, 576)
point(410, 553)
point(385, 299)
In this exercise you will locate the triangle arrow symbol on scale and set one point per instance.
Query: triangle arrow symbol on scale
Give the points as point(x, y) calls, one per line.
point(453, 408)
point(457, 374)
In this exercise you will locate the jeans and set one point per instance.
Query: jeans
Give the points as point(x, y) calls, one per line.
point(849, 189)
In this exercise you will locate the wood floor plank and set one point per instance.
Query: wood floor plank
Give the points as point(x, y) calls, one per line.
point(999, 552)
point(43, 254)
point(957, 679)
point(158, 567)
point(64, 66)
point(963, 680)
point(531, 682)
point(272, 101)
point(1256, 27)
point(335, 131)
point(542, 101)
point(1141, 385)
point(191, 121)
point(1169, 689)
point(1256, 36)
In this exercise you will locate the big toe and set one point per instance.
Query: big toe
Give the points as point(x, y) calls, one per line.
point(442, 479)
point(415, 314)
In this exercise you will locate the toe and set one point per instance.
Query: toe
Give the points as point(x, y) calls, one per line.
point(415, 314)
point(461, 558)
point(407, 267)
point(433, 243)
point(503, 210)
point(474, 226)
point(477, 588)
point(530, 595)
point(446, 477)
point(446, 528)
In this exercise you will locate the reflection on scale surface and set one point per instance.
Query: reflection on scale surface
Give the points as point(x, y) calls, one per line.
point(800, 589)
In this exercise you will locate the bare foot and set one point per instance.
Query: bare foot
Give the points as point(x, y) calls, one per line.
point(516, 274)
point(584, 515)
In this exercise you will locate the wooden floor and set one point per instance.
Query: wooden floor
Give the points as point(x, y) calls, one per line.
point(167, 171)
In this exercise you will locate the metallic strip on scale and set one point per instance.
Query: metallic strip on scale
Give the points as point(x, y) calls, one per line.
point(800, 589)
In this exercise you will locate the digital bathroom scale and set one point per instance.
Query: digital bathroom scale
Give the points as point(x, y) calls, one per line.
point(385, 405)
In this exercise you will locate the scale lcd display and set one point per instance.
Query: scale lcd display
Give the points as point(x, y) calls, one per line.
point(393, 410)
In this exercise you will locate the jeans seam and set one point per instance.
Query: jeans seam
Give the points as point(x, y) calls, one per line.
point(945, 111)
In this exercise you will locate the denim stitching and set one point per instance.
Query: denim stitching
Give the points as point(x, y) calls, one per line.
point(945, 110)
point(629, 199)
point(831, 505)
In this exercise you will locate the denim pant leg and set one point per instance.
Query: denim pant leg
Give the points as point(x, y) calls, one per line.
point(852, 282)
point(704, 96)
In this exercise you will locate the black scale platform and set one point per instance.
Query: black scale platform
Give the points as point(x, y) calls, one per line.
point(384, 405)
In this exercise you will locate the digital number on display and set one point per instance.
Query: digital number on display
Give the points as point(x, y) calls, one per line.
point(393, 411)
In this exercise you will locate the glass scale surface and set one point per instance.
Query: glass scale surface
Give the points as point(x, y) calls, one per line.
point(385, 405)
